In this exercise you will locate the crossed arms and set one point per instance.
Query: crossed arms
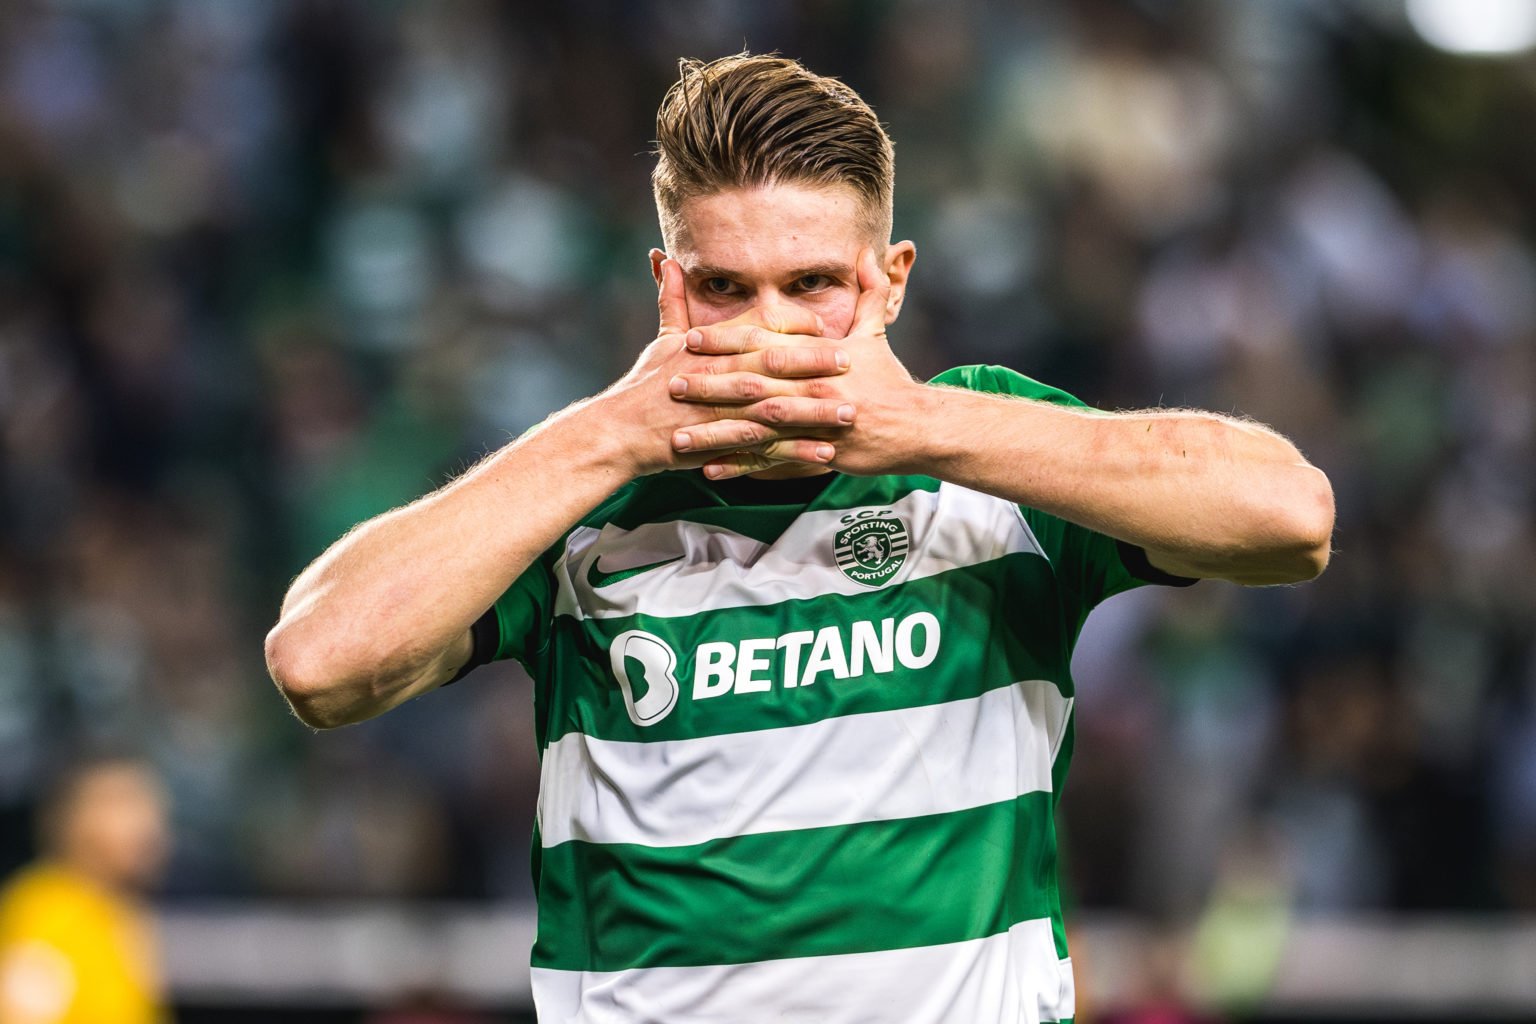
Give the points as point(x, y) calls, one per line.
point(384, 614)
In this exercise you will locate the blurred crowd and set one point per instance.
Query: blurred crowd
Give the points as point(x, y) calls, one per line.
point(267, 269)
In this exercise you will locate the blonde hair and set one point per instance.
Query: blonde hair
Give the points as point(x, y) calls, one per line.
point(747, 121)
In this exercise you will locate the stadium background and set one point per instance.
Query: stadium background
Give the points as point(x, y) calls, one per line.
point(269, 268)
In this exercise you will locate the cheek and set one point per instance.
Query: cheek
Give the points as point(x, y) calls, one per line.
point(702, 313)
point(837, 314)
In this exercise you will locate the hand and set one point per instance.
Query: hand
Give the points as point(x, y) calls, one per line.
point(875, 384)
point(661, 433)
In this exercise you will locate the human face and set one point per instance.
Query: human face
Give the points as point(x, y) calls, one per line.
point(116, 825)
point(779, 245)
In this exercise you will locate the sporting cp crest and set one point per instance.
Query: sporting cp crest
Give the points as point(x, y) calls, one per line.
point(872, 549)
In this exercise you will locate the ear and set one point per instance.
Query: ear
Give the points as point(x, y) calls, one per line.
point(657, 258)
point(898, 266)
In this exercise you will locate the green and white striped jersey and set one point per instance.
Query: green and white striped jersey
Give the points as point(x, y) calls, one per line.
point(800, 758)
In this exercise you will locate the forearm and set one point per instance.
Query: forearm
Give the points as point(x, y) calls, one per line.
point(1205, 495)
point(384, 613)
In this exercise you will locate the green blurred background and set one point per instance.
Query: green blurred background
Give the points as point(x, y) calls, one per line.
point(268, 268)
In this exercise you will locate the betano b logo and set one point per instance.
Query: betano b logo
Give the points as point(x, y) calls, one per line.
point(872, 548)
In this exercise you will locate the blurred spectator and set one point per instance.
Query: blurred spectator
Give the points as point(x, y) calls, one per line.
point(76, 943)
point(267, 269)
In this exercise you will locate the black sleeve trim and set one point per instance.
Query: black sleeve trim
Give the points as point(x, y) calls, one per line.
point(485, 638)
point(1139, 565)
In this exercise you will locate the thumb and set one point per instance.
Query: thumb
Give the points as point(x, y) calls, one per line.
point(672, 300)
point(874, 294)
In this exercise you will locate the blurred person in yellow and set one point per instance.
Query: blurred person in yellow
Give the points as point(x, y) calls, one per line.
point(76, 941)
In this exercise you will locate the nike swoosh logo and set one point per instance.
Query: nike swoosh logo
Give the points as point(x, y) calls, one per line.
point(597, 578)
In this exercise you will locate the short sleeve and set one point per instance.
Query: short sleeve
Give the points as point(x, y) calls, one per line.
point(522, 614)
point(1089, 565)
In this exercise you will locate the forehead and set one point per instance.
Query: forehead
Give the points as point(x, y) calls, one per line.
point(114, 783)
point(770, 228)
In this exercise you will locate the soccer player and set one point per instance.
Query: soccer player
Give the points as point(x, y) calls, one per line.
point(76, 945)
point(803, 716)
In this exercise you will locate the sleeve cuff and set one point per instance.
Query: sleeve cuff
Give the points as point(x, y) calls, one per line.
point(1138, 565)
point(485, 638)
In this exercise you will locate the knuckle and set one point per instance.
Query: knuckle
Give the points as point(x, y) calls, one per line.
point(757, 337)
point(749, 387)
point(819, 389)
point(754, 433)
point(773, 411)
point(776, 360)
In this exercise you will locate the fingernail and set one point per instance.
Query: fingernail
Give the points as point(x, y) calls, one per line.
point(682, 441)
point(824, 452)
point(694, 340)
point(845, 414)
point(842, 360)
point(678, 386)
point(714, 472)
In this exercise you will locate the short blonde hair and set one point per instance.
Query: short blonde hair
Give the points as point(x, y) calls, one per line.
point(747, 121)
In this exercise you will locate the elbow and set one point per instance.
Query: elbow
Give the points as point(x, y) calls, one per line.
point(1306, 534)
point(1314, 524)
point(1289, 540)
point(315, 691)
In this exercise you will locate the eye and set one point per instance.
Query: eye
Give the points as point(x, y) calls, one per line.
point(719, 285)
point(813, 282)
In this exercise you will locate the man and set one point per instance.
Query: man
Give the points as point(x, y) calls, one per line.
point(802, 731)
point(76, 945)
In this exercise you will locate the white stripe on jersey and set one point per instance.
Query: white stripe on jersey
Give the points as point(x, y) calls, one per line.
point(876, 766)
point(710, 567)
point(1010, 978)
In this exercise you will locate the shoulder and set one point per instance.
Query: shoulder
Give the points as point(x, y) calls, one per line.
point(1000, 380)
point(38, 894)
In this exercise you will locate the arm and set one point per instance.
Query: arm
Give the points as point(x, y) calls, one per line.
point(385, 613)
point(1204, 495)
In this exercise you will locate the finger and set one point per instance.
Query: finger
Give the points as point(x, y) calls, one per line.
point(791, 449)
point(789, 362)
point(744, 387)
point(783, 411)
point(785, 319)
point(798, 449)
point(733, 338)
point(727, 434)
point(672, 299)
point(718, 435)
point(756, 327)
point(874, 296)
point(732, 466)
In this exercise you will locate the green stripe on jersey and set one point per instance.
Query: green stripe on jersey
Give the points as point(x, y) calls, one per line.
point(997, 625)
point(876, 885)
point(686, 494)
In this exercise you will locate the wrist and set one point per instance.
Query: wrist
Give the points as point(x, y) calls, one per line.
point(919, 426)
point(588, 438)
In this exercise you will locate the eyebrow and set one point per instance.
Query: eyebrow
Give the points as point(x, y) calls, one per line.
point(824, 269)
